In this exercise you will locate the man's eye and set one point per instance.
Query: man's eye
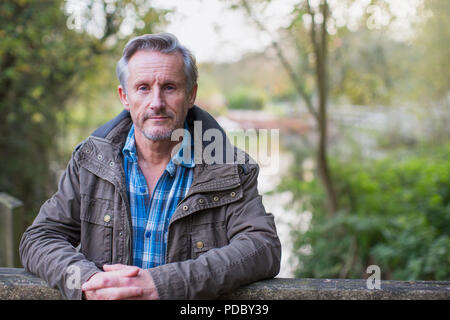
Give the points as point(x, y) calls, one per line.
point(142, 88)
point(169, 88)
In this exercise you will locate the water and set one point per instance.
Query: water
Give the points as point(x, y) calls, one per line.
point(285, 219)
point(272, 167)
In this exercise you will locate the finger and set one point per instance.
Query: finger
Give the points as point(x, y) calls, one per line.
point(117, 293)
point(118, 278)
point(146, 295)
point(116, 267)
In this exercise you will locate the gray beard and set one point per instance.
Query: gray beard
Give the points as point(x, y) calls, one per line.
point(160, 136)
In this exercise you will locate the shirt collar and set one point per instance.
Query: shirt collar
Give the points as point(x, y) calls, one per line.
point(187, 147)
point(185, 155)
point(129, 149)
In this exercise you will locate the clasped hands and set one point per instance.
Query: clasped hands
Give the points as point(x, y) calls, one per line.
point(119, 282)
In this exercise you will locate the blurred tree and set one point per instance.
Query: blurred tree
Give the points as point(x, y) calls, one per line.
point(254, 71)
point(386, 67)
point(366, 74)
point(432, 68)
point(42, 63)
point(320, 34)
point(317, 45)
point(246, 98)
point(394, 212)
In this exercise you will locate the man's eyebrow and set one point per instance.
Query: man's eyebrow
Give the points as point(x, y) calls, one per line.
point(164, 80)
point(171, 82)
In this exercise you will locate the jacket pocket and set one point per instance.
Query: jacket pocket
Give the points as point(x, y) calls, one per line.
point(206, 239)
point(201, 243)
point(97, 220)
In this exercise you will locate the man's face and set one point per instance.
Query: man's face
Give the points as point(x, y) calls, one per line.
point(156, 94)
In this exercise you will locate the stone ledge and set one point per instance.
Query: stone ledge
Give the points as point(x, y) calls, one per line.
point(341, 289)
point(16, 284)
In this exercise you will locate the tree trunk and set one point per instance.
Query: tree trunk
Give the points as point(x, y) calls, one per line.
point(323, 169)
point(320, 52)
point(320, 114)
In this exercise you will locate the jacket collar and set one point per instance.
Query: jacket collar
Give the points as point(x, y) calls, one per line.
point(110, 138)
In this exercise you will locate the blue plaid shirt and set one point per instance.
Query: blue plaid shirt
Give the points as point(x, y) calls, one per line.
point(151, 213)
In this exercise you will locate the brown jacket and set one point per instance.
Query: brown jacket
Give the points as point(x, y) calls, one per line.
point(220, 236)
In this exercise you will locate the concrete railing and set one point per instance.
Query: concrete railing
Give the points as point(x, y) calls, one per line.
point(11, 230)
point(16, 284)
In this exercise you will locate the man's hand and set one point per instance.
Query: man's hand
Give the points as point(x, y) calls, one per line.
point(120, 282)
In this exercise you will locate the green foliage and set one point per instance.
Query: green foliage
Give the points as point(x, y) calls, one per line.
point(246, 98)
point(37, 62)
point(364, 75)
point(376, 65)
point(395, 213)
point(42, 63)
point(431, 73)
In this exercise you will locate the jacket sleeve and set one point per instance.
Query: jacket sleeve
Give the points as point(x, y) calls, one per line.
point(47, 248)
point(253, 252)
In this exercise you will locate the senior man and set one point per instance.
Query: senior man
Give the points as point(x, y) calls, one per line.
point(137, 215)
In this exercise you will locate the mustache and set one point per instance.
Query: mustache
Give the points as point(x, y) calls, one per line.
point(150, 114)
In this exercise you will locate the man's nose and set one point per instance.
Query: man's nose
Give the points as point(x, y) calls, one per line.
point(156, 99)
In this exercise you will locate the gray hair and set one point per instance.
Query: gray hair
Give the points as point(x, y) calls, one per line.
point(161, 42)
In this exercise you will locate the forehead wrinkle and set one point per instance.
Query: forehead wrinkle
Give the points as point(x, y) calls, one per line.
point(156, 67)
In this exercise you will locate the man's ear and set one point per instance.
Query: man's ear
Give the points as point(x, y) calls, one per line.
point(123, 98)
point(193, 95)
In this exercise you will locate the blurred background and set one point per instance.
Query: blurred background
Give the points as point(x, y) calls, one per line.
point(359, 89)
